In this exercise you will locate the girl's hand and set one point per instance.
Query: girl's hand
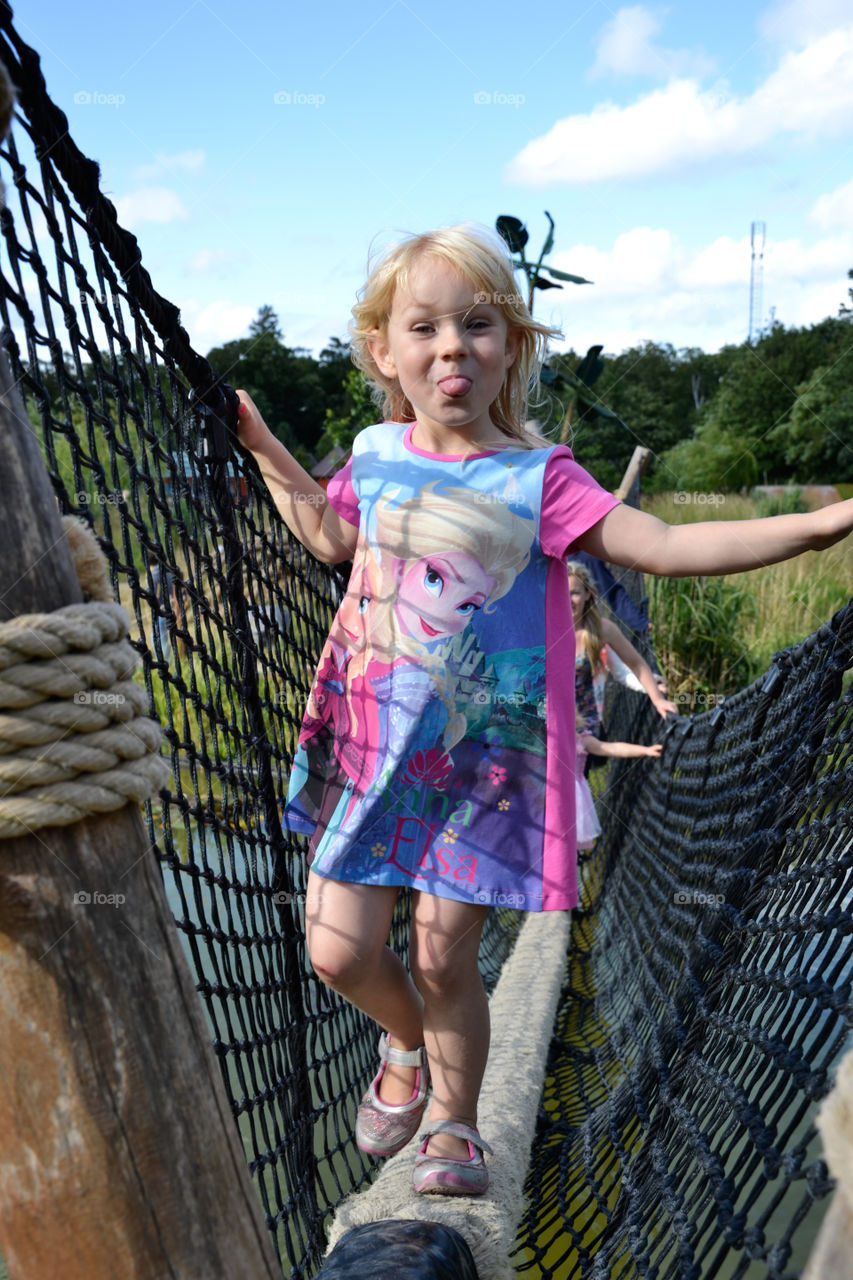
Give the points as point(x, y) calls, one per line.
point(832, 523)
point(252, 431)
point(655, 749)
point(664, 706)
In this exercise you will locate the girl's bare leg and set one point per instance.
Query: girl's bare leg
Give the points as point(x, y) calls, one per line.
point(443, 952)
point(347, 927)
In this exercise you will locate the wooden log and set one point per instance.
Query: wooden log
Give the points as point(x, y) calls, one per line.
point(119, 1155)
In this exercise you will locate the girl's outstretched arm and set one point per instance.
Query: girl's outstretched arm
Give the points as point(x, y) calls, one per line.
point(634, 660)
point(638, 540)
point(301, 502)
point(617, 750)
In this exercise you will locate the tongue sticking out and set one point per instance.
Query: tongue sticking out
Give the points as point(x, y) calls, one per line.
point(455, 386)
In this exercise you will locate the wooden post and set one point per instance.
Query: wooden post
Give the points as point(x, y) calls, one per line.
point(119, 1155)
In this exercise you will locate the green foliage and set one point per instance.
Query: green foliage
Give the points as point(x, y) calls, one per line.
point(816, 440)
point(756, 411)
point(358, 410)
point(698, 625)
point(715, 459)
point(291, 389)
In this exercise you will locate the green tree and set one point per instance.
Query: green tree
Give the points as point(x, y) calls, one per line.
point(284, 382)
point(816, 440)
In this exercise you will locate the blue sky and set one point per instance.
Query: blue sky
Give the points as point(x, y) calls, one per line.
point(259, 150)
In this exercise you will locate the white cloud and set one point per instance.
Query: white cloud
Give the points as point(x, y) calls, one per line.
point(794, 23)
point(213, 323)
point(834, 209)
point(626, 47)
point(683, 124)
point(650, 286)
point(150, 204)
point(182, 162)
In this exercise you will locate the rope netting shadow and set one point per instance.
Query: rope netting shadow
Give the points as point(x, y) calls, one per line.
point(707, 988)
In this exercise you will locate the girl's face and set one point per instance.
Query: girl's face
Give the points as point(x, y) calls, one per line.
point(349, 630)
point(578, 594)
point(438, 595)
point(449, 347)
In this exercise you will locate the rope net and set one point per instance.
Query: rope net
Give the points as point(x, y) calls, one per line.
point(707, 988)
point(229, 615)
point(707, 991)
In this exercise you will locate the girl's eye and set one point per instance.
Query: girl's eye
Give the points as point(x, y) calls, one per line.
point(467, 608)
point(479, 322)
point(363, 603)
point(433, 581)
point(423, 327)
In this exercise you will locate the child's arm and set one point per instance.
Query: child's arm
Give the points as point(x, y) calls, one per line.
point(301, 502)
point(618, 750)
point(638, 540)
point(634, 660)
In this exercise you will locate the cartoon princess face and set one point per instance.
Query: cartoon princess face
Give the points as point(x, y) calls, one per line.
point(349, 631)
point(439, 594)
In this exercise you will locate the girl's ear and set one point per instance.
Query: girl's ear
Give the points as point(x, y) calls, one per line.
point(513, 346)
point(381, 353)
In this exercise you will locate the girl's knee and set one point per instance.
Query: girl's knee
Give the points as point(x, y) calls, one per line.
point(337, 964)
point(440, 973)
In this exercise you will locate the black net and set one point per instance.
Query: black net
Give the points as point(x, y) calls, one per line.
point(229, 615)
point(708, 991)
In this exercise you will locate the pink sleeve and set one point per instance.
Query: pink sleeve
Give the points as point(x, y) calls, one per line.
point(572, 502)
point(342, 497)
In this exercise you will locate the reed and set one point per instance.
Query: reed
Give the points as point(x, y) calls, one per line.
point(713, 636)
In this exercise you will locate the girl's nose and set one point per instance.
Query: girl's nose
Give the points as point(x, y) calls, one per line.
point(452, 340)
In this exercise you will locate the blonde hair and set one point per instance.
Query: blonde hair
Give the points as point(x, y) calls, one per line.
point(436, 521)
point(590, 626)
point(482, 258)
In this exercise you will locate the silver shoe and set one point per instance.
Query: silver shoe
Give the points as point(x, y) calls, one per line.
point(381, 1128)
point(442, 1176)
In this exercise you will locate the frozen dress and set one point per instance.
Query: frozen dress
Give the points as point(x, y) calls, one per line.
point(441, 725)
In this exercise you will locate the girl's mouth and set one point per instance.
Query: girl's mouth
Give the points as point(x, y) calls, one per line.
point(431, 631)
point(455, 385)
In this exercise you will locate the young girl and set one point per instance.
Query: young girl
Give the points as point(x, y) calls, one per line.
point(587, 826)
point(600, 647)
point(441, 329)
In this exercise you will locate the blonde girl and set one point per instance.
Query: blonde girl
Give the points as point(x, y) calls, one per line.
point(441, 330)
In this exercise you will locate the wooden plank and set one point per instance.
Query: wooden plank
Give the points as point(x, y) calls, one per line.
point(118, 1152)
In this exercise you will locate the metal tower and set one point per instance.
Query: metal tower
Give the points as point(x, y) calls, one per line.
point(757, 237)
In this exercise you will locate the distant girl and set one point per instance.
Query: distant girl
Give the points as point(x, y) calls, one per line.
point(441, 329)
point(597, 640)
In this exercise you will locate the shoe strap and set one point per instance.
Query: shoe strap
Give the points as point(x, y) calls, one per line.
point(458, 1130)
point(401, 1057)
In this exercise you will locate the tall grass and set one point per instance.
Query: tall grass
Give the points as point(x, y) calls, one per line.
point(712, 636)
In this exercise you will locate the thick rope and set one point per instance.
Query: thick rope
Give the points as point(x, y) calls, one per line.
point(74, 736)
